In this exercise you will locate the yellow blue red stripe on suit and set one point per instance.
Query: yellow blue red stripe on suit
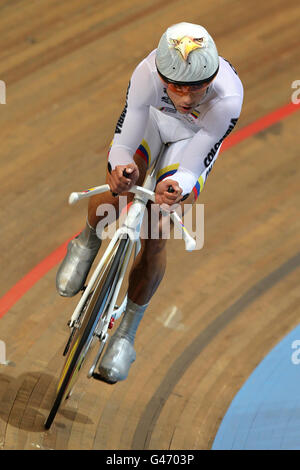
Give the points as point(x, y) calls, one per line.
point(195, 114)
point(144, 152)
point(166, 172)
point(171, 170)
point(198, 187)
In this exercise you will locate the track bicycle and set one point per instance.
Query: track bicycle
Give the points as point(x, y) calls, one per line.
point(96, 310)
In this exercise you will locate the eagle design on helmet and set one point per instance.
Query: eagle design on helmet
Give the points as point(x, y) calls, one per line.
point(186, 45)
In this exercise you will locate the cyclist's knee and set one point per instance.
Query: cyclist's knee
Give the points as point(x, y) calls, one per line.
point(156, 227)
point(153, 248)
point(107, 206)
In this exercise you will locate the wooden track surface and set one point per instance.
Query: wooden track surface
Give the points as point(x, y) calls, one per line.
point(218, 311)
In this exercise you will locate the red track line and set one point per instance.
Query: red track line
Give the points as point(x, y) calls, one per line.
point(259, 125)
point(32, 277)
point(23, 285)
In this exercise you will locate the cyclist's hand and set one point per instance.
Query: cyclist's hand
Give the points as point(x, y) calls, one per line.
point(168, 192)
point(119, 183)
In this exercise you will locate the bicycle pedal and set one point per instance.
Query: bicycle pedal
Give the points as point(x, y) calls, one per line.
point(99, 377)
point(111, 323)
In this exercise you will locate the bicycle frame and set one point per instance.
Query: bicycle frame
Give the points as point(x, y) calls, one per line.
point(131, 228)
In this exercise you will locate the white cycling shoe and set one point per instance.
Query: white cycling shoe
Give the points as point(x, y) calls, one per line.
point(75, 267)
point(117, 359)
point(120, 353)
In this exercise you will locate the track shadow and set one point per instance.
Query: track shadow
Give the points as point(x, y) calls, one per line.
point(276, 130)
point(25, 401)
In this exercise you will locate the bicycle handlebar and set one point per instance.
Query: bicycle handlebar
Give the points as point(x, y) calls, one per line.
point(75, 197)
point(145, 194)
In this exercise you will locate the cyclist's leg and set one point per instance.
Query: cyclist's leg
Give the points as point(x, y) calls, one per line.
point(144, 278)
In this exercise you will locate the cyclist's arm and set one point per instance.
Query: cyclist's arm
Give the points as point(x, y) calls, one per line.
point(132, 123)
point(202, 151)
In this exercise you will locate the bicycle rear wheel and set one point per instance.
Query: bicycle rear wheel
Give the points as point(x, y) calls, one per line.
point(84, 335)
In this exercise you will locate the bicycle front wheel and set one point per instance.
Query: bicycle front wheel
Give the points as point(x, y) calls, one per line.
point(84, 335)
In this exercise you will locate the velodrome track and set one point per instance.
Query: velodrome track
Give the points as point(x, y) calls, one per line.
point(217, 363)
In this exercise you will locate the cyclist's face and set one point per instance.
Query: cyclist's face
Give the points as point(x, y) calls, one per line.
point(186, 98)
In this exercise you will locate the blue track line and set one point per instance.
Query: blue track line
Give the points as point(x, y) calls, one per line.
point(265, 413)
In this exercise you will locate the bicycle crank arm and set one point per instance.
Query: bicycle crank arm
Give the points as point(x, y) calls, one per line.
point(94, 365)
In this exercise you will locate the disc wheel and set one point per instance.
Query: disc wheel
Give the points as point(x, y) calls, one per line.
point(84, 335)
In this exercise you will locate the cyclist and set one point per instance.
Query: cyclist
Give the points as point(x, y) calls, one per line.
point(184, 94)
